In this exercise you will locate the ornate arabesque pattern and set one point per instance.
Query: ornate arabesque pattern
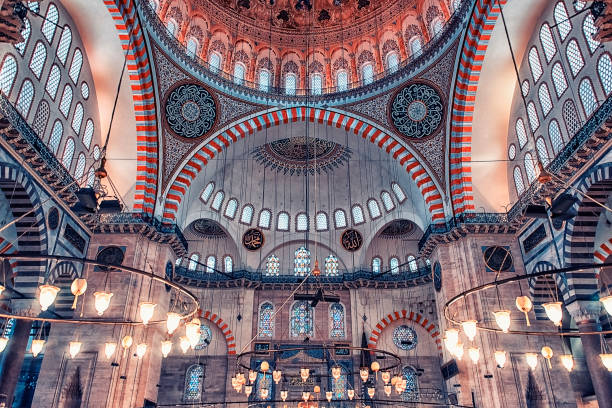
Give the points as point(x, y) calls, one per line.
point(190, 111)
point(206, 228)
point(405, 338)
point(417, 111)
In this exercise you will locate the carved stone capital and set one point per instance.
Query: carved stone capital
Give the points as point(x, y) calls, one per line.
point(584, 311)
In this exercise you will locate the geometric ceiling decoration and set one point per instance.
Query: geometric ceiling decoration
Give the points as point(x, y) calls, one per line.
point(190, 110)
point(417, 111)
point(398, 229)
point(205, 228)
point(296, 155)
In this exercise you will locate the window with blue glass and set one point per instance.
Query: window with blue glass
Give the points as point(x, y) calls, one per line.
point(194, 378)
point(331, 266)
point(411, 393)
point(263, 387)
point(338, 386)
point(301, 262)
point(405, 338)
point(342, 80)
point(266, 320)
point(239, 72)
point(376, 265)
point(336, 321)
point(272, 266)
point(394, 265)
point(214, 61)
point(301, 316)
point(205, 337)
point(290, 84)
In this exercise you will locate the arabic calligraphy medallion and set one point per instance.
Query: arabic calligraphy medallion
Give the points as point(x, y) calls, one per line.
point(253, 239)
point(351, 240)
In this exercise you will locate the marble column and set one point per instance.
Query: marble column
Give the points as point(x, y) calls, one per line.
point(13, 360)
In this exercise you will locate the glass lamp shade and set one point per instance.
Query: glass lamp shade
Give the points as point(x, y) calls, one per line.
point(37, 346)
point(568, 361)
point(252, 376)
point(606, 301)
point(74, 347)
point(328, 396)
point(265, 366)
point(386, 376)
point(398, 387)
point(364, 373)
point(304, 373)
point(1, 289)
point(234, 382)
point(184, 344)
point(452, 338)
point(547, 353)
point(78, 287)
point(241, 378)
point(470, 328)
point(450, 347)
point(375, 366)
point(166, 347)
point(305, 395)
point(371, 392)
point(146, 311)
point(263, 393)
point(403, 384)
point(336, 371)
point(192, 332)
point(284, 394)
point(47, 295)
point(554, 312)
point(500, 358)
point(3, 343)
point(524, 304)
point(502, 318)
point(317, 389)
point(173, 321)
point(277, 376)
point(239, 388)
point(127, 342)
point(248, 389)
point(606, 359)
point(387, 389)
point(474, 353)
point(532, 360)
point(350, 393)
point(141, 349)
point(459, 351)
point(109, 349)
point(102, 301)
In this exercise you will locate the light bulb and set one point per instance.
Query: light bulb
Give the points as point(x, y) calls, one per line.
point(127, 342)
point(568, 361)
point(304, 373)
point(364, 374)
point(532, 360)
point(37, 346)
point(109, 349)
point(336, 371)
point(470, 328)
point(606, 359)
point(474, 353)
point(375, 366)
point(524, 304)
point(350, 393)
point(174, 319)
point(371, 392)
point(502, 318)
point(184, 344)
point(607, 302)
point(554, 312)
point(141, 349)
point(284, 394)
point(193, 333)
point(328, 395)
point(500, 358)
point(248, 389)
point(47, 296)
point(3, 343)
point(166, 347)
point(265, 366)
point(74, 347)
point(102, 301)
point(387, 389)
point(547, 353)
point(146, 311)
point(386, 376)
point(277, 376)
point(459, 351)
point(452, 337)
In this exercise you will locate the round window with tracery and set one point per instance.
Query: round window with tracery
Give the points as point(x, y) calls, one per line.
point(405, 338)
point(205, 337)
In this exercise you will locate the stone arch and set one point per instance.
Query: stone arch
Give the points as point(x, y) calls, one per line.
point(542, 289)
point(224, 327)
point(62, 275)
point(603, 252)
point(411, 316)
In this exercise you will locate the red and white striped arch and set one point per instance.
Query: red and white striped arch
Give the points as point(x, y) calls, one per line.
point(224, 327)
point(248, 126)
point(603, 252)
point(417, 318)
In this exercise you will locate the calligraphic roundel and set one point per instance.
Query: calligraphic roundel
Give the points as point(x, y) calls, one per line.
point(351, 240)
point(253, 239)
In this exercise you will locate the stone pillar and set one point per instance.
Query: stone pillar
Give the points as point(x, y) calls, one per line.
point(402, 46)
point(586, 316)
point(380, 67)
point(445, 11)
point(279, 74)
point(329, 83)
point(354, 73)
point(252, 66)
point(204, 52)
point(13, 360)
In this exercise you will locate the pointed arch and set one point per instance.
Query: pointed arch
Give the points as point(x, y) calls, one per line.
point(417, 318)
point(224, 327)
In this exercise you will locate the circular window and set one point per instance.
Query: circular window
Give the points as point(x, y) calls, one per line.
point(512, 152)
point(205, 337)
point(405, 338)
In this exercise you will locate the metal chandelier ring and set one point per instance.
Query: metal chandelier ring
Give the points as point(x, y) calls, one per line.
point(152, 276)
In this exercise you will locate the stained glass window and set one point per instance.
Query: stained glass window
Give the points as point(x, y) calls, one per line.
point(264, 382)
point(301, 323)
point(357, 215)
point(405, 338)
point(587, 97)
point(264, 80)
point(518, 181)
point(193, 262)
point(75, 66)
point(562, 20)
point(574, 57)
point(231, 208)
point(604, 69)
point(39, 56)
point(532, 115)
point(339, 386)
point(247, 214)
point(25, 97)
point(66, 101)
point(392, 61)
point(376, 265)
point(521, 133)
point(399, 193)
point(214, 61)
point(367, 73)
point(554, 133)
point(331, 266)
point(534, 64)
point(8, 74)
point(88, 133)
point(217, 201)
point(411, 393)
point(373, 208)
point(282, 223)
point(211, 262)
point(207, 192)
point(25, 33)
point(387, 201)
point(228, 264)
point(301, 262)
point(193, 383)
point(192, 47)
point(342, 80)
point(545, 101)
point(340, 218)
point(77, 118)
point(64, 45)
point(301, 223)
point(48, 27)
point(290, 83)
point(239, 71)
point(321, 221)
point(589, 30)
point(548, 44)
point(336, 321)
point(56, 136)
point(205, 337)
point(530, 168)
point(394, 265)
point(412, 263)
point(68, 153)
point(266, 321)
point(542, 151)
point(316, 84)
point(272, 266)
point(558, 77)
point(264, 218)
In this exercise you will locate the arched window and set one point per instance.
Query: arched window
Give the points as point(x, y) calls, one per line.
point(66, 101)
point(411, 393)
point(192, 47)
point(559, 81)
point(282, 222)
point(85, 90)
point(399, 193)
point(534, 64)
point(53, 81)
point(217, 201)
point(214, 61)
point(8, 74)
point(316, 84)
point(41, 118)
point(91, 177)
point(337, 324)
point(56, 136)
point(266, 320)
point(548, 44)
point(367, 73)
point(68, 153)
point(231, 208)
point(574, 57)
point(376, 264)
point(554, 133)
point(25, 33)
point(193, 383)
point(530, 168)
point(604, 69)
point(301, 262)
point(49, 23)
point(77, 118)
point(239, 72)
point(290, 83)
point(357, 213)
point(587, 97)
point(25, 97)
point(272, 266)
point(392, 61)
point(211, 262)
point(264, 219)
point(416, 45)
point(39, 57)
point(171, 27)
point(545, 101)
point(64, 45)
point(412, 263)
point(301, 222)
point(228, 264)
point(301, 316)
point(205, 337)
point(518, 181)
point(207, 192)
point(436, 26)
point(512, 151)
point(532, 115)
point(340, 218)
point(79, 170)
point(331, 266)
point(373, 208)
point(321, 221)
point(521, 133)
point(247, 214)
point(342, 80)
point(387, 201)
point(178, 261)
point(88, 133)
point(264, 80)
point(564, 24)
point(75, 66)
point(542, 151)
point(589, 30)
point(394, 265)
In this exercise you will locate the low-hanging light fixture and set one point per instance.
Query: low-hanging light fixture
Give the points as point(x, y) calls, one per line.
point(37, 346)
point(568, 361)
point(500, 358)
point(470, 328)
point(184, 344)
point(524, 304)
point(532, 360)
point(127, 341)
point(474, 353)
point(102, 301)
point(3, 343)
point(146, 311)
point(78, 288)
point(173, 322)
point(606, 301)
point(502, 318)
point(109, 349)
point(166, 347)
point(47, 296)
point(547, 353)
point(141, 349)
point(74, 347)
point(554, 312)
